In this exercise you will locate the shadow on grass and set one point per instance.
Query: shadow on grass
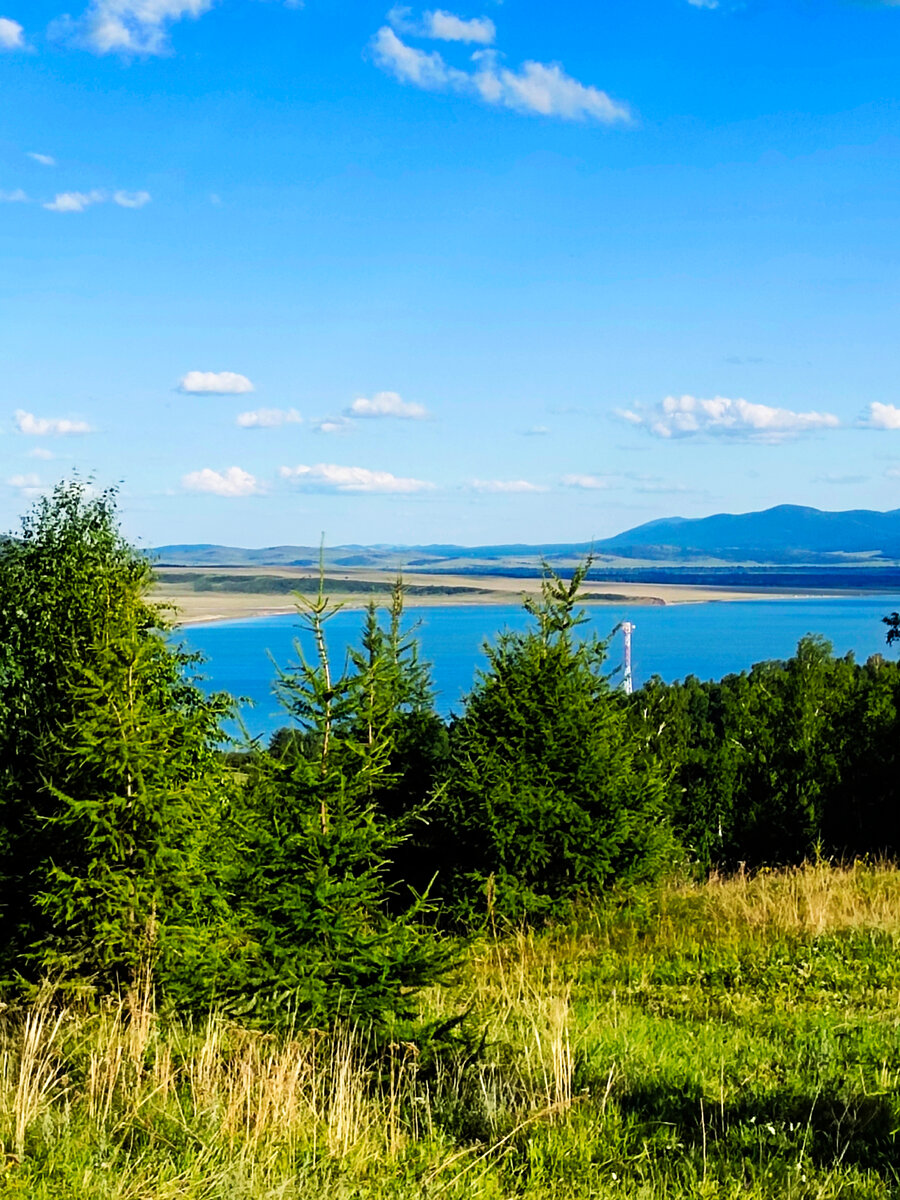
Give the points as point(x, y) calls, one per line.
point(830, 1127)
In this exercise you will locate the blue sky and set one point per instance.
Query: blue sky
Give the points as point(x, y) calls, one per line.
point(493, 272)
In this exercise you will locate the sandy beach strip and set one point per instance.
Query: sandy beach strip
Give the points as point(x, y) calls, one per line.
point(200, 607)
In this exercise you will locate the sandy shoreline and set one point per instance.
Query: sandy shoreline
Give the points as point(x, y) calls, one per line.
point(203, 607)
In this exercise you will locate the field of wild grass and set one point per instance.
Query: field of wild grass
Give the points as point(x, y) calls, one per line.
point(739, 1038)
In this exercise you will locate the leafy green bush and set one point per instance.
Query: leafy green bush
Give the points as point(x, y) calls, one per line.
point(775, 764)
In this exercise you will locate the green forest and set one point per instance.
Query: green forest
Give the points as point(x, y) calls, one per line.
point(571, 943)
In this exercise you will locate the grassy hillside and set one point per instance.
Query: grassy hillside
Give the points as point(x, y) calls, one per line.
point(735, 1039)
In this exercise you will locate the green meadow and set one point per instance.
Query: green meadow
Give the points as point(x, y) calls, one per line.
point(736, 1038)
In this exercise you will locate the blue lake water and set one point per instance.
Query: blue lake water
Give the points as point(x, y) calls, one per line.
point(707, 640)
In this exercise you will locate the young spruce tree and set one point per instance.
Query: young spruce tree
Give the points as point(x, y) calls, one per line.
point(548, 798)
point(325, 937)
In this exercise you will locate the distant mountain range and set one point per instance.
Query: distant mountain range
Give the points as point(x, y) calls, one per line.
point(785, 535)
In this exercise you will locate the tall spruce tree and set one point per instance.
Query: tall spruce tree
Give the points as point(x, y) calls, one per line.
point(108, 776)
point(548, 797)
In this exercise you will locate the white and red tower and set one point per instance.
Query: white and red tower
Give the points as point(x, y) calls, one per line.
point(627, 680)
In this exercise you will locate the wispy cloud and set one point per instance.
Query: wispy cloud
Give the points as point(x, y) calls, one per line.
point(704, 3)
point(28, 423)
point(46, 160)
point(41, 452)
point(422, 68)
point(535, 431)
point(834, 477)
point(233, 482)
point(505, 485)
point(12, 35)
point(386, 404)
point(659, 487)
point(331, 477)
point(542, 89)
point(444, 26)
point(17, 196)
point(134, 26)
point(689, 416)
point(74, 202)
point(28, 486)
point(333, 425)
point(131, 199)
point(883, 416)
point(268, 418)
point(589, 483)
point(633, 480)
point(215, 383)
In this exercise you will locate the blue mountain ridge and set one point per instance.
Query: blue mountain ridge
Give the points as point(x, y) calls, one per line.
point(787, 533)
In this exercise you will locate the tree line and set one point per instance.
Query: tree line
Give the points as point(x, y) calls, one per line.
point(325, 876)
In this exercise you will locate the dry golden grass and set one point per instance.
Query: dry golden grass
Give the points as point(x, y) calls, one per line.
point(121, 1104)
point(814, 899)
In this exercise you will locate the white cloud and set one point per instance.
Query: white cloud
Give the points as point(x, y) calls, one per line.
point(24, 481)
point(331, 477)
point(46, 160)
point(659, 487)
point(28, 485)
point(421, 68)
point(536, 88)
point(12, 35)
point(590, 483)
point(17, 196)
point(883, 416)
point(546, 90)
point(704, 3)
point(687, 416)
point(131, 199)
point(215, 383)
point(386, 404)
point(535, 431)
point(505, 485)
point(839, 479)
point(41, 452)
point(75, 202)
point(444, 26)
point(333, 425)
point(449, 28)
point(268, 418)
point(232, 482)
point(49, 426)
point(135, 26)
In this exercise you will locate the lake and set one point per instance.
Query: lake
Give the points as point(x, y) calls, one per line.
point(708, 640)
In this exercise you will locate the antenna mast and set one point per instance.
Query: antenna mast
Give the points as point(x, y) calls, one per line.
point(627, 680)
